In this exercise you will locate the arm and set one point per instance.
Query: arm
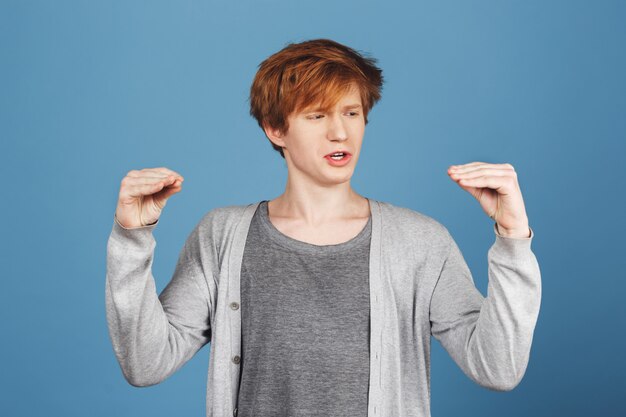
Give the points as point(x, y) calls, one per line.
point(153, 336)
point(489, 338)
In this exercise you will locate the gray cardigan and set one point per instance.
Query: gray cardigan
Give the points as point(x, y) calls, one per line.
point(419, 284)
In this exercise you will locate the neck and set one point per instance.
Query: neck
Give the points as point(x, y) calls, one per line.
point(318, 205)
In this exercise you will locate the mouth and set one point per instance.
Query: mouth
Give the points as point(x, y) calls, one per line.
point(339, 158)
point(338, 155)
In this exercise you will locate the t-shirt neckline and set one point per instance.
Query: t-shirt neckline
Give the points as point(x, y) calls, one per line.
point(294, 244)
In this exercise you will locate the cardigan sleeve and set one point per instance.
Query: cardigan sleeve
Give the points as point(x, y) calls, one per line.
point(489, 337)
point(153, 336)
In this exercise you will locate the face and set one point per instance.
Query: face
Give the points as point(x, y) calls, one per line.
point(313, 134)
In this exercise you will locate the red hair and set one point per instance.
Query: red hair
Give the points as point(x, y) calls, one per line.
point(318, 71)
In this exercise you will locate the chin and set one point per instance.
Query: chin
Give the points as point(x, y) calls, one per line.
point(339, 178)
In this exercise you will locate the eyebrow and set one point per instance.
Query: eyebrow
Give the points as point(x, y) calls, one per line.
point(318, 109)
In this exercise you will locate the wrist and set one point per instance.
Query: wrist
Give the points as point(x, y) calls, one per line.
point(523, 232)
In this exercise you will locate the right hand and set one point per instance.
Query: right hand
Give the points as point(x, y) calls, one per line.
point(144, 193)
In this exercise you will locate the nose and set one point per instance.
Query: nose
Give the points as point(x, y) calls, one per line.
point(336, 129)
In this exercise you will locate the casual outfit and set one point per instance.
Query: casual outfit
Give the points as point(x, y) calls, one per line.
point(297, 329)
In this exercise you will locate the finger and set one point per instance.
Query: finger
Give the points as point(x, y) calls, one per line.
point(145, 179)
point(154, 172)
point(143, 190)
point(479, 165)
point(169, 191)
point(168, 180)
point(146, 174)
point(478, 172)
point(470, 167)
point(465, 166)
point(138, 189)
point(498, 183)
point(133, 181)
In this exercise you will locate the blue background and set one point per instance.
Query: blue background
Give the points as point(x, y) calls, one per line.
point(91, 90)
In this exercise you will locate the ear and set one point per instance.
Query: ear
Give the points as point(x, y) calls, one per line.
point(274, 134)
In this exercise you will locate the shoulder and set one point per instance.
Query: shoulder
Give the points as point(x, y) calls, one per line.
point(404, 221)
point(219, 222)
point(223, 217)
point(216, 229)
point(225, 214)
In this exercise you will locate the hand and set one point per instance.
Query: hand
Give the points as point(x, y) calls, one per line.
point(496, 188)
point(144, 193)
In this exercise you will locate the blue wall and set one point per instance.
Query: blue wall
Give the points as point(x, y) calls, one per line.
point(90, 90)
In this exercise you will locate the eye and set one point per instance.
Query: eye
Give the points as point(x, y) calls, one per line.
point(315, 116)
point(353, 113)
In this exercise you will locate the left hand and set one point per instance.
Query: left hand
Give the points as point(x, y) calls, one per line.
point(496, 188)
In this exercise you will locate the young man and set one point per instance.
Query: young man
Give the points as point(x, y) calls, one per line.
point(321, 302)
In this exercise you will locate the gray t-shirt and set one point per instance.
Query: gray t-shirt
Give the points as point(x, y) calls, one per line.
point(305, 324)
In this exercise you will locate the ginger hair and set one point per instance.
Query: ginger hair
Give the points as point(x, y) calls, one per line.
point(318, 71)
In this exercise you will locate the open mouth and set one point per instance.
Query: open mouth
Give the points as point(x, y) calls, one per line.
point(338, 156)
